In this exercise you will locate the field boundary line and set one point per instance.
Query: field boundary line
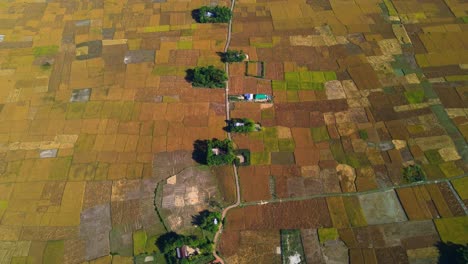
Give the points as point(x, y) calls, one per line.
point(348, 194)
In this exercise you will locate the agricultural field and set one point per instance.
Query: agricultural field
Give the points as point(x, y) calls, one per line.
point(93, 100)
point(99, 127)
point(361, 89)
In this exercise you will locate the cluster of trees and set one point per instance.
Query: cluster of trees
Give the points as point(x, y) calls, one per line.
point(231, 56)
point(451, 253)
point(168, 243)
point(209, 77)
point(206, 220)
point(242, 125)
point(226, 153)
point(413, 173)
point(215, 14)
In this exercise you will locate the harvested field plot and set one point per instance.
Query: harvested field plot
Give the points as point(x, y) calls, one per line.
point(187, 193)
point(247, 246)
point(288, 215)
point(382, 208)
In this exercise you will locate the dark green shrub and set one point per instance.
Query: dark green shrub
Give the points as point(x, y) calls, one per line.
point(413, 173)
point(233, 56)
point(242, 125)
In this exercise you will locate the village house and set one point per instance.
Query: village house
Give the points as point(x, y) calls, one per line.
point(186, 252)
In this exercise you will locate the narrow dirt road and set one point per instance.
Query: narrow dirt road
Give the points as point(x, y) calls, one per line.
point(228, 116)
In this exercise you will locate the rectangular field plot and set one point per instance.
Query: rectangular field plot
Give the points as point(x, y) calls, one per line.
point(383, 207)
point(292, 250)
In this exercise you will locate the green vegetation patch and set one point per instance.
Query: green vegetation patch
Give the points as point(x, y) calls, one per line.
point(327, 234)
point(53, 252)
point(414, 173)
point(354, 211)
point(461, 186)
point(337, 151)
point(291, 245)
point(139, 242)
point(286, 144)
point(209, 77)
point(45, 50)
point(330, 76)
point(292, 76)
point(278, 85)
point(415, 129)
point(433, 156)
point(456, 78)
point(168, 242)
point(415, 97)
point(231, 56)
point(271, 145)
point(270, 133)
point(293, 85)
point(184, 45)
point(292, 96)
point(220, 152)
point(315, 86)
point(260, 158)
point(453, 229)
point(213, 14)
point(450, 169)
point(318, 77)
point(160, 28)
point(264, 45)
point(304, 80)
point(319, 133)
point(363, 134)
point(208, 221)
point(357, 160)
point(150, 246)
point(3, 207)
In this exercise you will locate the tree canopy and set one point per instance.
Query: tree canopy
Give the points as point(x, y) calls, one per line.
point(209, 77)
point(213, 14)
point(452, 253)
point(206, 220)
point(233, 56)
point(413, 173)
point(168, 242)
point(226, 152)
point(241, 125)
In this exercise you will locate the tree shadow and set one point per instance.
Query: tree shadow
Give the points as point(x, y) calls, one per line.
point(227, 128)
point(452, 253)
point(222, 56)
point(189, 75)
point(200, 148)
point(166, 241)
point(198, 219)
point(196, 15)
